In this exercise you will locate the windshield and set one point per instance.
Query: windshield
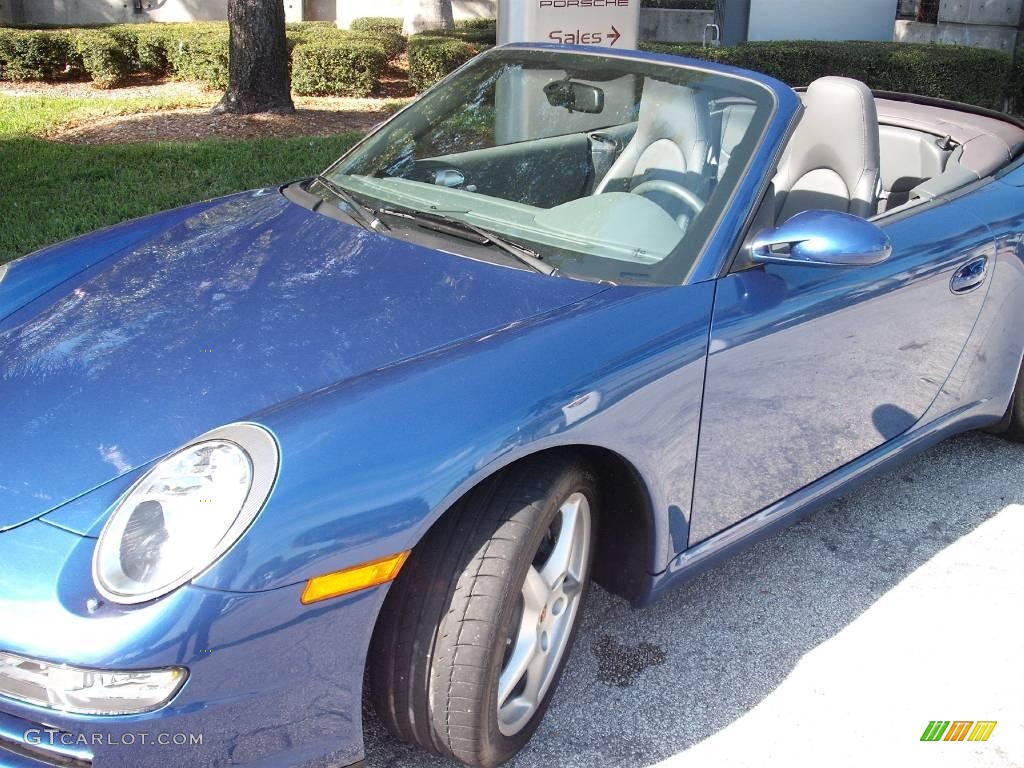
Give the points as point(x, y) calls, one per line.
point(602, 167)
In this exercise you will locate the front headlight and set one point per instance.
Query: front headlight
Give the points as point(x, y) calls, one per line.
point(184, 513)
point(88, 691)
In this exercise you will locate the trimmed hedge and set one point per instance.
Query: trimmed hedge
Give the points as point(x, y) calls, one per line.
point(483, 30)
point(377, 24)
point(432, 56)
point(393, 43)
point(349, 69)
point(34, 54)
point(437, 53)
point(200, 58)
point(1016, 88)
point(972, 75)
point(324, 32)
point(151, 48)
point(325, 59)
point(107, 58)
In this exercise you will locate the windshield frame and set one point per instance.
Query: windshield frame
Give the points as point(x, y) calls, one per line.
point(739, 208)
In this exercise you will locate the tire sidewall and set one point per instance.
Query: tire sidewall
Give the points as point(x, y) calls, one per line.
point(498, 747)
point(1013, 422)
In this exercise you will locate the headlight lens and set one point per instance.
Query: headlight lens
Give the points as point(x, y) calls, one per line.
point(185, 513)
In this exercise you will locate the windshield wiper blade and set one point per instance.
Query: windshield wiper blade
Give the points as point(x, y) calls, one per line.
point(369, 216)
point(458, 227)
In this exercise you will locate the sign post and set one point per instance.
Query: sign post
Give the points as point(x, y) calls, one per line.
point(520, 100)
point(611, 23)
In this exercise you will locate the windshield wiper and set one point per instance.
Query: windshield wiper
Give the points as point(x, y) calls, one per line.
point(453, 226)
point(369, 216)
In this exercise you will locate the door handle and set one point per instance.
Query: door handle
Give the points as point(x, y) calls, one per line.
point(970, 275)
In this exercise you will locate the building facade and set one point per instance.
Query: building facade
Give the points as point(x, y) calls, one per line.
point(982, 23)
point(74, 12)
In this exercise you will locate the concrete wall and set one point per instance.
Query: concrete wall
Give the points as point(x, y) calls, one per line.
point(655, 23)
point(821, 20)
point(123, 11)
point(104, 11)
point(69, 12)
point(1000, 38)
point(983, 23)
point(1000, 12)
point(319, 10)
point(346, 10)
point(667, 26)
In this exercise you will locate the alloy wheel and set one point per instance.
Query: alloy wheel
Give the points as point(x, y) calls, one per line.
point(548, 608)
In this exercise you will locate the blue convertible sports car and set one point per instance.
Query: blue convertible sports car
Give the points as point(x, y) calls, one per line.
point(573, 314)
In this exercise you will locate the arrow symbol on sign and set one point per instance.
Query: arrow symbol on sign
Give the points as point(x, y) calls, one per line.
point(614, 35)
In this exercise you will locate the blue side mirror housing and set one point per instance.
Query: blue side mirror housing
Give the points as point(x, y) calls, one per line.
point(823, 238)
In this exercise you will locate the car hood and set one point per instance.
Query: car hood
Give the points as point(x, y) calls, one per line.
point(242, 306)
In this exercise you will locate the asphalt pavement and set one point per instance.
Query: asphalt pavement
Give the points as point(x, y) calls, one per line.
point(833, 643)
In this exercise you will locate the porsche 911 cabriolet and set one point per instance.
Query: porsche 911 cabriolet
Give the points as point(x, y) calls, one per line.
point(573, 315)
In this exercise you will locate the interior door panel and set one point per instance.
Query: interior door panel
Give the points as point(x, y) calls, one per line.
point(811, 367)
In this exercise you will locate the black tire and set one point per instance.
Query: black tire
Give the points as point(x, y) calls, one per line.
point(1015, 416)
point(439, 645)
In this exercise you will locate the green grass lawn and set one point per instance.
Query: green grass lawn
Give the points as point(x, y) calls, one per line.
point(53, 191)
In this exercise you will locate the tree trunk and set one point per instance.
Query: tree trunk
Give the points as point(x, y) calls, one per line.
point(423, 15)
point(258, 74)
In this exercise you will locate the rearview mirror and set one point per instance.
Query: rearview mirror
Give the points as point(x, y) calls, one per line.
point(575, 96)
point(827, 238)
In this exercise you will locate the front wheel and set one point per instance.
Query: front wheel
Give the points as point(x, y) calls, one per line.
point(475, 634)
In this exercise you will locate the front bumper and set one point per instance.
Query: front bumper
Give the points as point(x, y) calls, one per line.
point(271, 681)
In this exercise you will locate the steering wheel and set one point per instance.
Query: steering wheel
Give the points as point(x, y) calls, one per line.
point(686, 196)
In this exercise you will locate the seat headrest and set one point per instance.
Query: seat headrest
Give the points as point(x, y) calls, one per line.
point(838, 130)
point(838, 136)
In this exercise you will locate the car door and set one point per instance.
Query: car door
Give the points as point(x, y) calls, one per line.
point(809, 367)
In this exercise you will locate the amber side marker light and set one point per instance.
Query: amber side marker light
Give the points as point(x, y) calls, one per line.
point(353, 579)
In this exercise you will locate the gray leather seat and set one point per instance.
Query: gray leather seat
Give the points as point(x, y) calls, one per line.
point(670, 144)
point(832, 160)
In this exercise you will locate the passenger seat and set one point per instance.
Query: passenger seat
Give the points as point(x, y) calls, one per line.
point(832, 160)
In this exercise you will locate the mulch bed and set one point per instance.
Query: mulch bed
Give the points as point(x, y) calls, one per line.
point(326, 116)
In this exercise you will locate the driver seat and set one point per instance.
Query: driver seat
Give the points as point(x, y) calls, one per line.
point(832, 160)
point(670, 144)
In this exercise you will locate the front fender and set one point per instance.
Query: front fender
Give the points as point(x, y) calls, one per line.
point(369, 465)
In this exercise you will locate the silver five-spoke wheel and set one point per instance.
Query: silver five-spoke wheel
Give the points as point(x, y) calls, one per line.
point(548, 608)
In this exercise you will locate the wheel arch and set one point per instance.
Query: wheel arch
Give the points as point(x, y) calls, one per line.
point(625, 549)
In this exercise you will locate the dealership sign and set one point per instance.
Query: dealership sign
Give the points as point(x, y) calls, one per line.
point(611, 23)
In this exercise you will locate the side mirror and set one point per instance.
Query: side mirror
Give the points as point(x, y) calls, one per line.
point(575, 96)
point(825, 238)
